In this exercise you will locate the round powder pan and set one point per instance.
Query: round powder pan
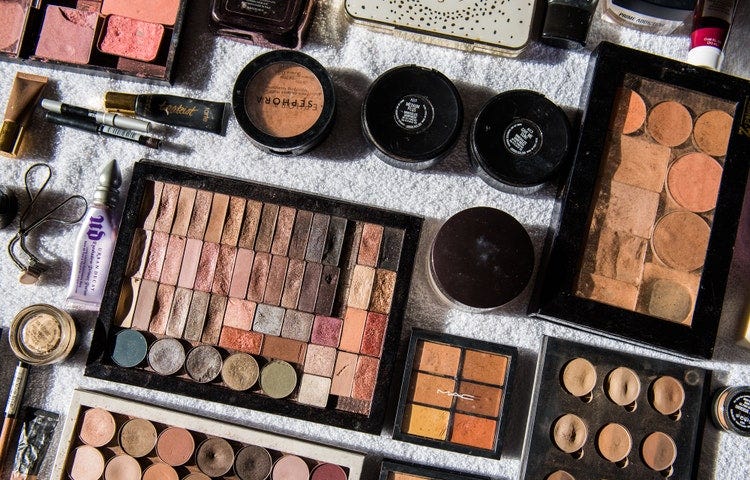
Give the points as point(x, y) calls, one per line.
point(412, 116)
point(519, 141)
point(285, 102)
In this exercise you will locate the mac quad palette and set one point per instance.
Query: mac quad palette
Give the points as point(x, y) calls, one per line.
point(256, 296)
point(114, 439)
point(399, 471)
point(598, 413)
point(650, 213)
point(454, 393)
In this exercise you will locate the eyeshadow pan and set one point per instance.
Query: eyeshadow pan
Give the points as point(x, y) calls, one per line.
point(297, 325)
point(365, 377)
point(680, 240)
point(137, 437)
point(150, 204)
point(239, 314)
point(473, 431)
point(139, 251)
point(155, 11)
point(320, 360)
point(276, 277)
point(204, 278)
point(382, 291)
point(240, 371)
point(630, 112)
point(87, 464)
point(215, 457)
point(241, 340)
point(162, 307)
point(314, 390)
point(642, 163)
point(130, 348)
point(569, 433)
point(14, 15)
point(426, 422)
point(353, 329)
point(175, 446)
point(184, 211)
point(579, 377)
point(292, 351)
point(157, 253)
point(693, 182)
point(179, 312)
point(659, 451)
point(160, 471)
point(300, 234)
point(283, 233)
point(224, 270)
point(343, 374)
point(122, 467)
point(250, 224)
point(484, 367)
point(369, 248)
point(98, 427)
point(216, 218)
point(196, 316)
point(233, 225)
point(614, 442)
point(317, 240)
point(190, 262)
point(479, 399)
point(334, 241)
point(253, 463)
point(144, 305)
point(266, 228)
point(293, 283)
point(67, 35)
point(670, 123)
point(667, 395)
point(199, 220)
point(259, 277)
point(390, 248)
point(326, 331)
point(374, 334)
point(290, 467)
point(203, 363)
point(329, 282)
point(278, 379)
point(243, 267)
point(167, 206)
point(712, 131)
point(131, 38)
point(308, 295)
point(361, 287)
point(166, 356)
point(437, 358)
point(214, 319)
point(268, 319)
point(170, 272)
point(433, 390)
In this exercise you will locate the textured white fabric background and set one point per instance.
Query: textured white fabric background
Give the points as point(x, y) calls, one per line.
point(343, 167)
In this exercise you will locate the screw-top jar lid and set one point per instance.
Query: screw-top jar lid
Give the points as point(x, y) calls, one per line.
point(42, 334)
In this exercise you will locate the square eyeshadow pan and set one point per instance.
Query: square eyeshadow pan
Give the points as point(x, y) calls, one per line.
point(195, 262)
point(454, 393)
point(587, 382)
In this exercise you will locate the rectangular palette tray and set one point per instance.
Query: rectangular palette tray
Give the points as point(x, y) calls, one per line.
point(359, 385)
point(390, 470)
point(351, 462)
point(551, 401)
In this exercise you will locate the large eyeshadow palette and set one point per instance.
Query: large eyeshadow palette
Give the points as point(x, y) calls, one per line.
point(598, 413)
point(256, 296)
point(399, 471)
point(134, 38)
point(650, 213)
point(114, 439)
point(454, 393)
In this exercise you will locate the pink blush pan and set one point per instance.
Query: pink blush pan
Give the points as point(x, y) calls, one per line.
point(131, 38)
point(67, 35)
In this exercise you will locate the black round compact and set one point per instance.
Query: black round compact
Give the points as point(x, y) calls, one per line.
point(8, 207)
point(285, 101)
point(412, 116)
point(481, 259)
point(519, 141)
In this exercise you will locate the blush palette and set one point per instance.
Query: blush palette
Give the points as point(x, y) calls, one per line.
point(454, 393)
point(134, 38)
point(256, 296)
point(114, 439)
point(598, 413)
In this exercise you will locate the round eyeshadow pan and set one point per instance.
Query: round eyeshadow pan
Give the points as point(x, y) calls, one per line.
point(253, 463)
point(166, 356)
point(290, 467)
point(560, 475)
point(711, 132)
point(670, 123)
point(197, 476)
point(623, 386)
point(680, 240)
point(328, 471)
point(693, 182)
point(98, 427)
point(87, 464)
point(160, 471)
point(614, 442)
point(175, 446)
point(138, 437)
point(658, 451)
point(122, 467)
point(569, 433)
point(240, 371)
point(633, 109)
point(215, 457)
point(670, 300)
point(278, 379)
point(203, 363)
point(130, 348)
point(579, 377)
point(667, 395)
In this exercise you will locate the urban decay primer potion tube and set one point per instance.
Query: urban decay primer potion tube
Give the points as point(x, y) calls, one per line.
point(95, 243)
point(24, 95)
point(171, 110)
point(711, 23)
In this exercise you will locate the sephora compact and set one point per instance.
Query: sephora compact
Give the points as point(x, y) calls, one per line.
point(412, 117)
point(285, 102)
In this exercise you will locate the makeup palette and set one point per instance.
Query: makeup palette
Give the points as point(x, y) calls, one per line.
point(598, 413)
point(398, 471)
point(256, 296)
point(454, 393)
point(651, 210)
point(114, 439)
point(133, 38)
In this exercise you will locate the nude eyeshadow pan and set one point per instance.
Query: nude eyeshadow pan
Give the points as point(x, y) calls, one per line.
point(454, 393)
point(290, 302)
point(108, 438)
point(606, 414)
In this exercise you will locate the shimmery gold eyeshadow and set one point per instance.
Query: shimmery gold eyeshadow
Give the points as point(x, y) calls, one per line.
point(484, 367)
point(231, 233)
point(199, 220)
point(167, 206)
point(432, 390)
point(426, 422)
point(184, 212)
point(437, 358)
point(473, 431)
point(216, 218)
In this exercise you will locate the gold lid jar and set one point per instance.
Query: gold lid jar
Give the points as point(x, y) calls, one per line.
point(42, 334)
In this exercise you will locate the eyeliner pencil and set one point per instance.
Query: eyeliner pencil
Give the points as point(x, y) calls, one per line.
point(15, 396)
point(91, 126)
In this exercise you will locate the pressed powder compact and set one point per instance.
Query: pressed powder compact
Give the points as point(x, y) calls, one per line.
point(598, 413)
point(110, 438)
point(642, 244)
point(256, 296)
point(454, 394)
point(285, 102)
point(42, 334)
point(412, 116)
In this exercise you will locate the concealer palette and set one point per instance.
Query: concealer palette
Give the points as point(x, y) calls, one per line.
point(598, 413)
point(399, 471)
point(114, 439)
point(651, 211)
point(454, 393)
point(256, 296)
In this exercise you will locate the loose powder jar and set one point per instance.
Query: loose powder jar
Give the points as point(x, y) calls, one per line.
point(285, 102)
point(412, 117)
point(42, 334)
point(518, 141)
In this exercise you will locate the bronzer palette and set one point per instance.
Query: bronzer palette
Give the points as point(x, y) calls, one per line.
point(598, 413)
point(399, 471)
point(256, 296)
point(651, 210)
point(134, 38)
point(454, 393)
point(110, 438)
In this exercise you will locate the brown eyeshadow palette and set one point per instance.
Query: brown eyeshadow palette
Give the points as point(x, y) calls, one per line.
point(255, 296)
point(598, 413)
point(133, 38)
point(399, 471)
point(650, 213)
point(114, 439)
point(454, 393)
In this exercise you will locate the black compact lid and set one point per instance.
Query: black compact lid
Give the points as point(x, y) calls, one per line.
point(297, 144)
point(482, 258)
point(519, 139)
point(412, 114)
point(567, 26)
point(8, 207)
